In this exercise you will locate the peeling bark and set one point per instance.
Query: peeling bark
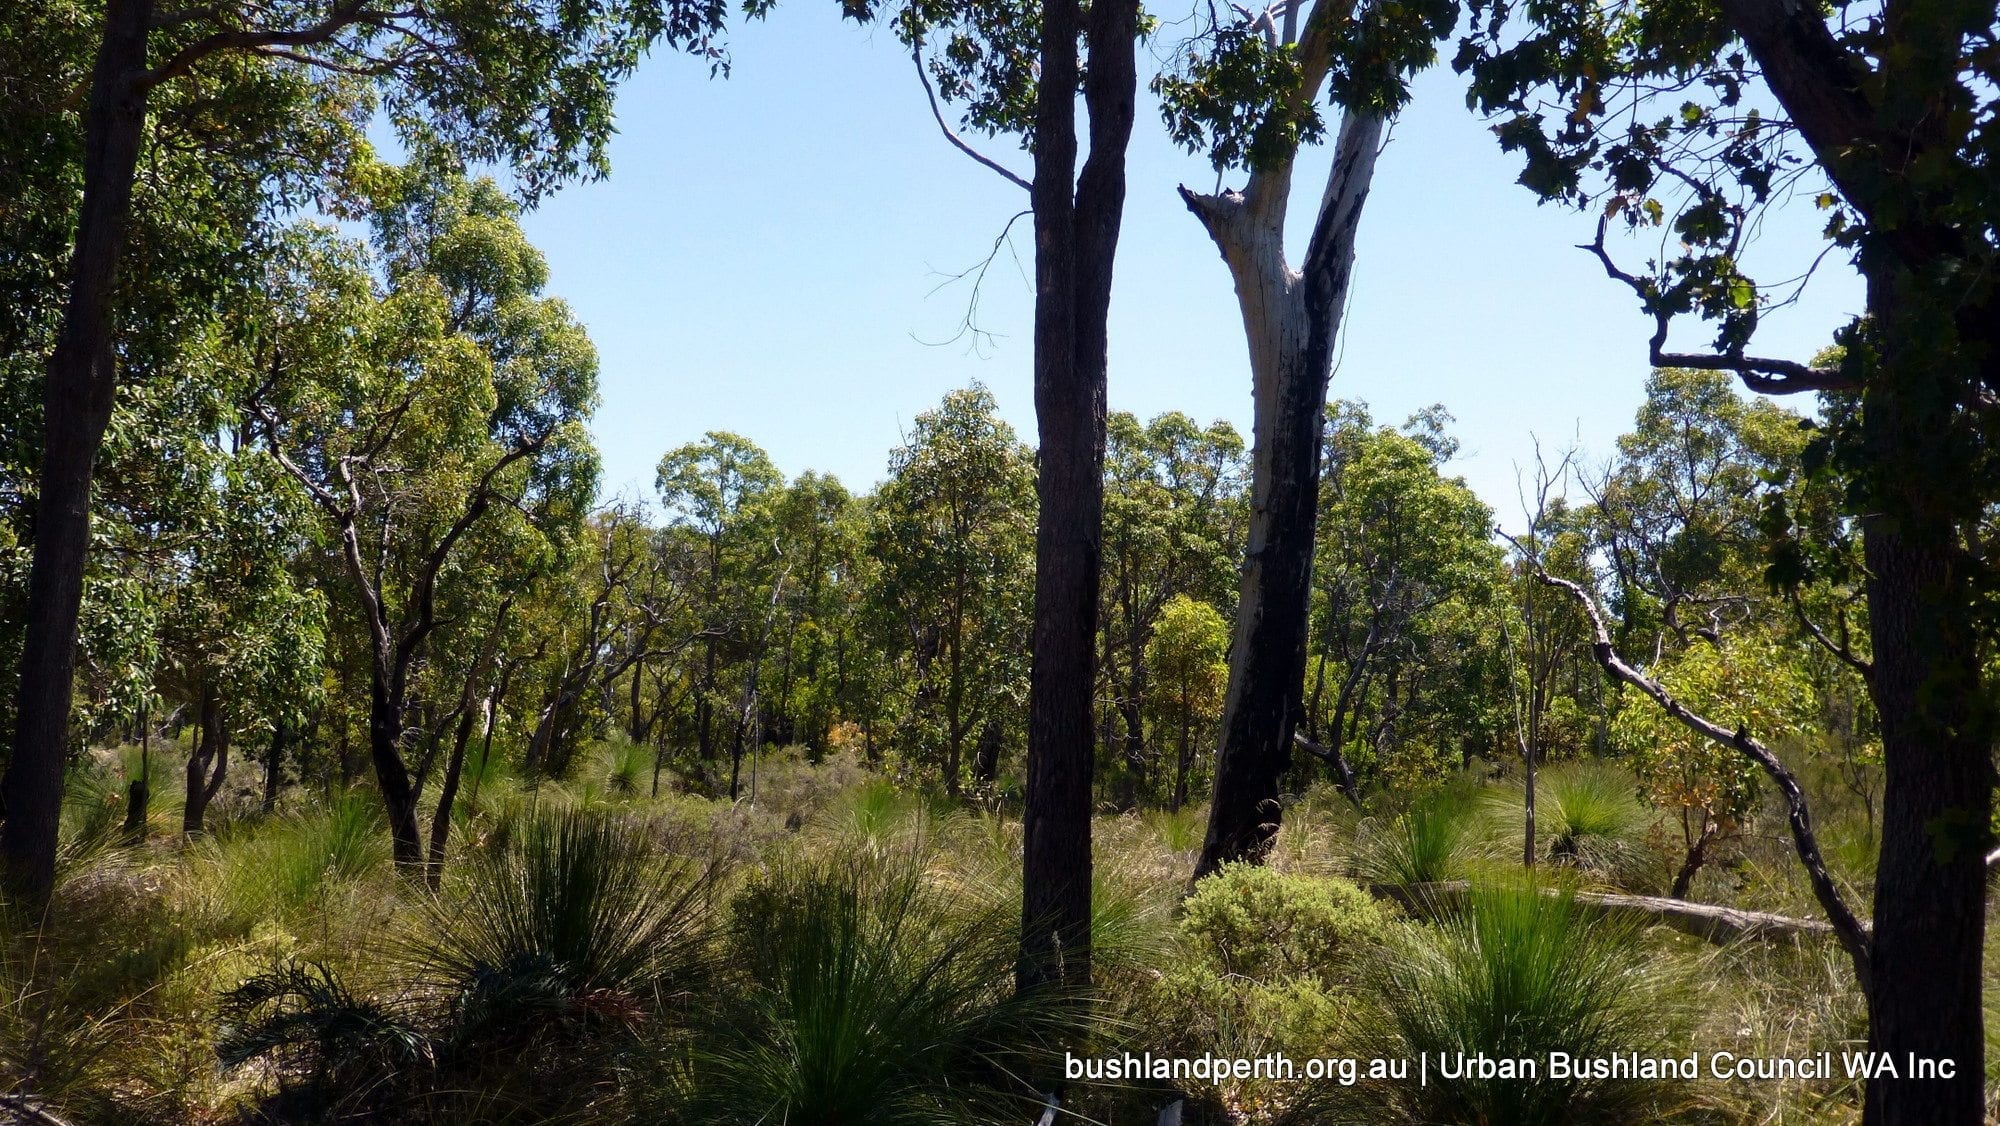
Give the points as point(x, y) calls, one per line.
point(1291, 319)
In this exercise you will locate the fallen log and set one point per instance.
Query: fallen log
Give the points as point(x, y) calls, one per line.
point(1703, 920)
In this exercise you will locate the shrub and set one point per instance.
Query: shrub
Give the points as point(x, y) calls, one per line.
point(1259, 923)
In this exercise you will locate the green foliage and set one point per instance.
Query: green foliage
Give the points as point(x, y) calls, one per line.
point(1518, 972)
point(1429, 842)
point(1403, 582)
point(1259, 923)
point(1750, 682)
point(866, 997)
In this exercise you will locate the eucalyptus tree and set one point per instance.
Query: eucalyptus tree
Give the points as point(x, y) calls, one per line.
point(1400, 548)
point(1018, 67)
point(1248, 94)
point(719, 489)
point(525, 82)
point(416, 404)
point(188, 243)
point(1697, 117)
point(1172, 518)
point(242, 632)
point(951, 531)
point(623, 603)
point(813, 518)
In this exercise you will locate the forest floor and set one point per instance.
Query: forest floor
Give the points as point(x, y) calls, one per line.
point(278, 969)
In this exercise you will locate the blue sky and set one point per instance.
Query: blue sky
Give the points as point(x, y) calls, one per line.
point(770, 256)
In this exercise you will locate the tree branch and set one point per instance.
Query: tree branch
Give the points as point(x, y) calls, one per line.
point(923, 76)
point(1760, 374)
point(1846, 927)
point(343, 16)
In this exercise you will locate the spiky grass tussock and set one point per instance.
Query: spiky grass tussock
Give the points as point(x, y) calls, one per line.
point(574, 910)
point(1516, 971)
point(1588, 816)
point(281, 867)
point(867, 994)
point(1431, 841)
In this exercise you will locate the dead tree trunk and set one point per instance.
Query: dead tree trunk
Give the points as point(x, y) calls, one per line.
point(1291, 319)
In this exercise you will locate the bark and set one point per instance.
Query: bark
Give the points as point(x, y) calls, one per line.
point(1930, 882)
point(274, 763)
point(454, 766)
point(207, 765)
point(1076, 238)
point(1697, 856)
point(1716, 924)
point(1291, 319)
point(392, 777)
point(76, 408)
point(986, 758)
point(139, 792)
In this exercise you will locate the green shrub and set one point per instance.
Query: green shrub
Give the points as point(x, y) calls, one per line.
point(1259, 923)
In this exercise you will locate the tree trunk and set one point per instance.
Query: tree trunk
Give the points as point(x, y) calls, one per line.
point(1697, 856)
point(77, 407)
point(385, 749)
point(1930, 883)
point(207, 765)
point(1076, 239)
point(1291, 320)
point(274, 764)
point(139, 792)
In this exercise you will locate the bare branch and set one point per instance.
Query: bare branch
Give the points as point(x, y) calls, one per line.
point(1847, 928)
point(1839, 649)
point(343, 16)
point(923, 76)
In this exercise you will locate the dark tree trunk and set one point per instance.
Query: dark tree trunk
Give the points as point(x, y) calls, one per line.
point(1076, 238)
point(986, 759)
point(1291, 320)
point(76, 408)
point(207, 765)
point(1930, 883)
point(274, 765)
point(1697, 856)
point(454, 767)
point(139, 792)
point(385, 749)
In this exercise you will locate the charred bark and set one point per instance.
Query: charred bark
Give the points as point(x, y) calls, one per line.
point(1076, 239)
point(1291, 319)
point(76, 403)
